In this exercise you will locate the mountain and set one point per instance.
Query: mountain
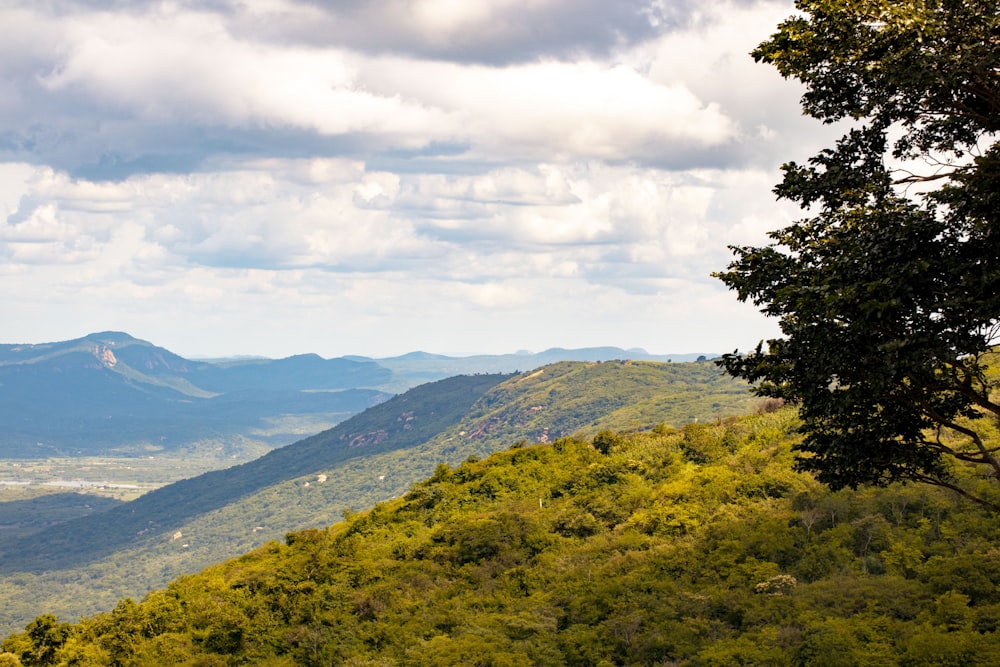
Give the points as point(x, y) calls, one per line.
point(110, 393)
point(114, 395)
point(692, 547)
point(425, 367)
point(295, 373)
point(375, 455)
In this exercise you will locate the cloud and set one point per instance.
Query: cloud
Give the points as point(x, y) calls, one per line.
point(493, 32)
point(615, 225)
point(172, 87)
point(408, 174)
point(581, 110)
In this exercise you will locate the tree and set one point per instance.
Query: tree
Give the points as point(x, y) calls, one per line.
point(888, 295)
point(41, 639)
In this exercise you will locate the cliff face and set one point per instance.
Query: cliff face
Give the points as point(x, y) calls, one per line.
point(105, 356)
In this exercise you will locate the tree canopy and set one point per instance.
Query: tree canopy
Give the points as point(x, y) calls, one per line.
point(698, 548)
point(888, 293)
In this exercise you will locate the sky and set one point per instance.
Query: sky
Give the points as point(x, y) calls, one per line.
point(275, 177)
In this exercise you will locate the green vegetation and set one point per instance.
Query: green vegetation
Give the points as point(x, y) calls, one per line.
point(29, 512)
point(624, 541)
point(419, 367)
point(889, 294)
point(574, 398)
point(86, 565)
point(698, 546)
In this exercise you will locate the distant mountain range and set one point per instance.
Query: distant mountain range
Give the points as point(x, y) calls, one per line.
point(418, 367)
point(110, 393)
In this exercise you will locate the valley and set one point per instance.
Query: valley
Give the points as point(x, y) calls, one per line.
point(121, 478)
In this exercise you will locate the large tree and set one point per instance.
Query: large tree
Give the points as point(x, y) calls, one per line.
point(888, 293)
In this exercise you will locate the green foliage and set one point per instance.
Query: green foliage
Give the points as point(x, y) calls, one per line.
point(572, 398)
point(42, 639)
point(85, 566)
point(888, 297)
point(605, 441)
point(566, 555)
point(38, 510)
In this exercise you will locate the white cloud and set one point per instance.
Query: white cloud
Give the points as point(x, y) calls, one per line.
point(181, 66)
point(454, 176)
point(14, 178)
point(488, 31)
point(536, 111)
point(174, 66)
point(604, 223)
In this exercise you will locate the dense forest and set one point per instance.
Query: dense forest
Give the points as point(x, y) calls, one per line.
point(80, 566)
point(697, 546)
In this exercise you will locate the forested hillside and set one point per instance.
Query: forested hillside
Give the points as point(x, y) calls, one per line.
point(403, 422)
point(84, 565)
point(697, 546)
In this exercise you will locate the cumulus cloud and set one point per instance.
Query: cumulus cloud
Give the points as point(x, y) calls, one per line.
point(496, 32)
point(580, 110)
point(166, 87)
point(608, 224)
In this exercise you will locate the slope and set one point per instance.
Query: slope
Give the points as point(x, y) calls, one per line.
point(425, 367)
point(375, 455)
point(691, 547)
point(428, 410)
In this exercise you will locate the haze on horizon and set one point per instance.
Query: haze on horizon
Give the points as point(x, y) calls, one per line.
point(285, 176)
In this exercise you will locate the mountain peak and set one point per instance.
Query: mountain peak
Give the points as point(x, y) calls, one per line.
point(111, 337)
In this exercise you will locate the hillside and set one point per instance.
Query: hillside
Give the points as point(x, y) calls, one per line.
point(685, 547)
point(403, 421)
point(84, 565)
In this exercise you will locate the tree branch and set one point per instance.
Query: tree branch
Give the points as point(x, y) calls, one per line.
point(934, 481)
point(985, 453)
